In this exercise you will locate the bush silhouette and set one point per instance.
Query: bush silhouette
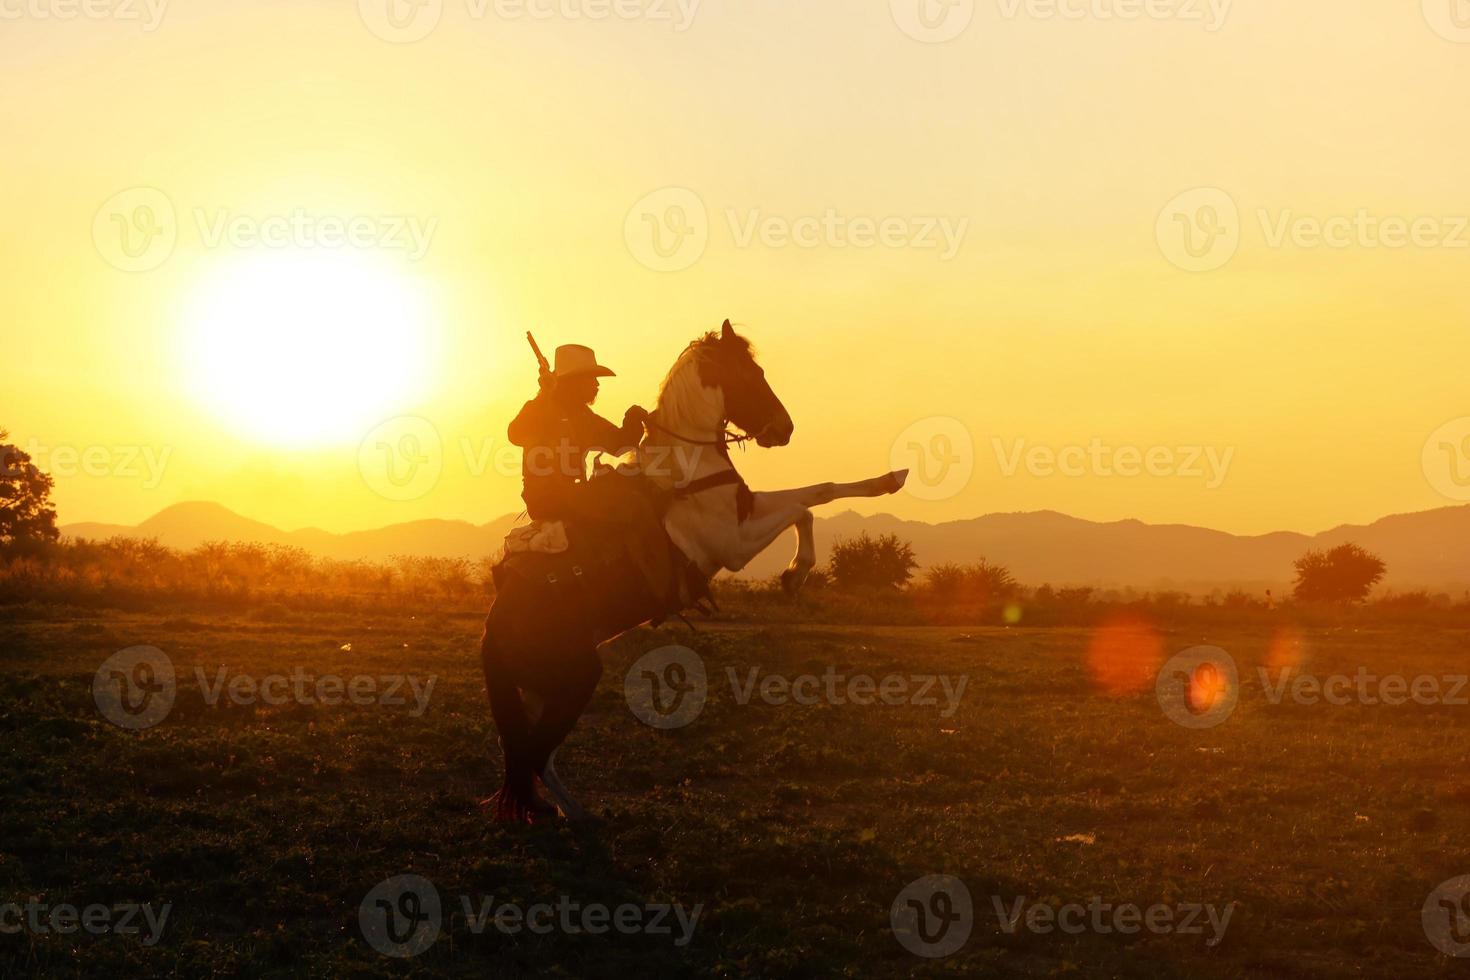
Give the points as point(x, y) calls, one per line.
point(872, 563)
point(1347, 573)
point(978, 582)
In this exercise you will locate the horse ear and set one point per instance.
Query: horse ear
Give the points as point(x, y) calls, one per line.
point(726, 332)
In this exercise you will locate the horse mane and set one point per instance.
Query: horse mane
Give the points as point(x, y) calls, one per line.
point(683, 404)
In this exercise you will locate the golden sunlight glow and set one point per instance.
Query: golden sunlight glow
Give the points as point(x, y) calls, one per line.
point(305, 348)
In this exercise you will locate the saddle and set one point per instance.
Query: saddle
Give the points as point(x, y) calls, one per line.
point(619, 566)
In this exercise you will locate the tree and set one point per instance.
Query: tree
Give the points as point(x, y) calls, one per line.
point(1345, 574)
point(27, 517)
point(872, 563)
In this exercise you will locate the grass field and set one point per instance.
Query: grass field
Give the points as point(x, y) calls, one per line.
point(793, 828)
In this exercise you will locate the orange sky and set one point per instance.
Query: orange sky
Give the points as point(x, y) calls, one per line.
point(1207, 266)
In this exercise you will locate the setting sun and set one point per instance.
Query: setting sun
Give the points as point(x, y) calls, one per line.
point(305, 348)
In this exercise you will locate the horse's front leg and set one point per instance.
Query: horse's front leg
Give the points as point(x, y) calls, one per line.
point(774, 512)
point(805, 559)
point(770, 516)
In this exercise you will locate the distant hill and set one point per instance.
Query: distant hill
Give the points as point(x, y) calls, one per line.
point(1430, 549)
point(189, 525)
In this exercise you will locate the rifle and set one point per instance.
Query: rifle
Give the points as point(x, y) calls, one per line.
point(540, 357)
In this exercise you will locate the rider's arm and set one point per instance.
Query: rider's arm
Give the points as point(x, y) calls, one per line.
point(529, 427)
point(602, 436)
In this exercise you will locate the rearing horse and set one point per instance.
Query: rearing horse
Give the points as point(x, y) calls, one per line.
point(535, 646)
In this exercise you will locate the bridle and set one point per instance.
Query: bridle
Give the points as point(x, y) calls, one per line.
point(725, 438)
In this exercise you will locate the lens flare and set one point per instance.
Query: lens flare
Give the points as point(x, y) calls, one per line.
point(1124, 655)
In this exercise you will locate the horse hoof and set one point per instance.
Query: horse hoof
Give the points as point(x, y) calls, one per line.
point(509, 808)
point(791, 581)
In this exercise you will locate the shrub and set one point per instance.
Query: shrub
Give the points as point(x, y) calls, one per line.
point(1345, 574)
point(978, 582)
point(865, 562)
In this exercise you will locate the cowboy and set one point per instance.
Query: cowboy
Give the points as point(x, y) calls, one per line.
point(557, 429)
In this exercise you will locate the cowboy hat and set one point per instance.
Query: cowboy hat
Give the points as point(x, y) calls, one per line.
point(574, 359)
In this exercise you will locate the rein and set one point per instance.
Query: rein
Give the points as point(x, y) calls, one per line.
point(721, 478)
point(725, 438)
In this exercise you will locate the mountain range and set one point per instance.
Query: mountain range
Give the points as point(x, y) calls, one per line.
point(1422, 550)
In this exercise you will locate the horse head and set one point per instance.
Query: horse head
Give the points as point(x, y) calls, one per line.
point(729, 364)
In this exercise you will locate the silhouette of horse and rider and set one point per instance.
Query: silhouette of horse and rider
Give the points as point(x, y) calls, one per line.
point(627, 545)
